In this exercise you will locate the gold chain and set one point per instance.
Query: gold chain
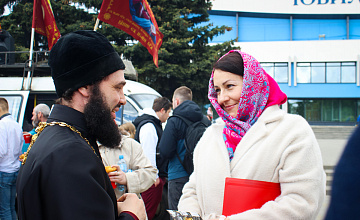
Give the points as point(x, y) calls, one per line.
point(43, 125)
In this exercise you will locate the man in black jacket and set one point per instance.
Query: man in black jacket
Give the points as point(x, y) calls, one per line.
point(172, 142)
point(148, 134)
point(63, 176)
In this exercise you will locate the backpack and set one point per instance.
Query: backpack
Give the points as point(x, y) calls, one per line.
point(193, 134)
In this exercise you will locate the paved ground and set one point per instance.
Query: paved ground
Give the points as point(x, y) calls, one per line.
point(331, 150)
point(323, 210)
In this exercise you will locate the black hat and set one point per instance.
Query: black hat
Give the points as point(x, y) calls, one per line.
point(82, 58)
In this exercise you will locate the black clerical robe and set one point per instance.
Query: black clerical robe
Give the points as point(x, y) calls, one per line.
point(63, 178)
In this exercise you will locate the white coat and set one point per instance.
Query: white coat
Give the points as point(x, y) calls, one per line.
point(279, 148)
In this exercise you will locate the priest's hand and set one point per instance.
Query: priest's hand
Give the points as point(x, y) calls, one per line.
point(131, 203)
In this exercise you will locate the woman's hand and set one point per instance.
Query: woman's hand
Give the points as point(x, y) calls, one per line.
point(118, 176)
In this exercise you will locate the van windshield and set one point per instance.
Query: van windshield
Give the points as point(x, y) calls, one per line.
point(132, 110)
point(144, 100)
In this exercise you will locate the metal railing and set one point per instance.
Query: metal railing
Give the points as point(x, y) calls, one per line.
point(20, 57)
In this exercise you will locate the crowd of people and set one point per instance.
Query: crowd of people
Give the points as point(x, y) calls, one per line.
point(63, 174)
point(148, 133)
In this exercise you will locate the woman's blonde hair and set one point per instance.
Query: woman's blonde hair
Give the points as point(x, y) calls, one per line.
point(128, 129)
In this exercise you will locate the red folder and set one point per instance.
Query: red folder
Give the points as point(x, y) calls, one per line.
point(242, 194)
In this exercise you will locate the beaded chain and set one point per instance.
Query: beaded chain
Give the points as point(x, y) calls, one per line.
point(41, 127)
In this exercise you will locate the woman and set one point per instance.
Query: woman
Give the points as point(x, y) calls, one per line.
point(254, 139)
point(128, 129)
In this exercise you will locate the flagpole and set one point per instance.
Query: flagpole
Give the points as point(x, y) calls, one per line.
point(96, 24)
point(30, 58)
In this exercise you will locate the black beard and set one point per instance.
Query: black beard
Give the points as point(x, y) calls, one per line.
point(99, 121)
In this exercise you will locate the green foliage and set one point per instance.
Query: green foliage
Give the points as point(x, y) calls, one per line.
point(185, 58)
point(20, 57)
point(68, 18)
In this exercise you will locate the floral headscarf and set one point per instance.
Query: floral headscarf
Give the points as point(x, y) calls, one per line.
point(259, 92)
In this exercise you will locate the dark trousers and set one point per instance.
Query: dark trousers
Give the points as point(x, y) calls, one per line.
point(152, 198)
point(175, 187)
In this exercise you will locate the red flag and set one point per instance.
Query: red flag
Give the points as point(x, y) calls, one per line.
point(44, 21)
point(135, 18)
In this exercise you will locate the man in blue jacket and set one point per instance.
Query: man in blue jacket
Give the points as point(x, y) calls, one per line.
point(172, 142)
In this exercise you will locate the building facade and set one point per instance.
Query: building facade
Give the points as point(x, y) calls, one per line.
point(310, 47)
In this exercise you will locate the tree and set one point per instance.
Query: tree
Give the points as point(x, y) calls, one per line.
point(68, 15)
point(185, 57)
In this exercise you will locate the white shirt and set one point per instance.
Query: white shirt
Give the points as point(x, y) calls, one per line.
point(11, 142)
point(148, 138)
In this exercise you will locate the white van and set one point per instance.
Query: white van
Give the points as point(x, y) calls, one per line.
point(138, 96)
point(42, 90)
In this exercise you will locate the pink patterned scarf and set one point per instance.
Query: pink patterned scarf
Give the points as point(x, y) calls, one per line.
point(259, 92)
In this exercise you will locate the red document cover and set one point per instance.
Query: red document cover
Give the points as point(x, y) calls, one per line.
point(242, 194)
